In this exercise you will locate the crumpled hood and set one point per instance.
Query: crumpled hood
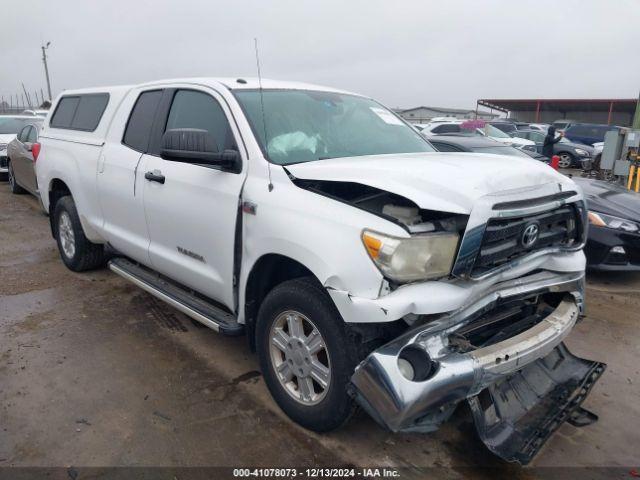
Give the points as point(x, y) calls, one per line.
point(448, 182)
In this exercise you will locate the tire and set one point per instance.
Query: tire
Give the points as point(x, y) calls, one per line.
point(566, 160)
point(76, 251)
point(13, 185)
point(333, 406)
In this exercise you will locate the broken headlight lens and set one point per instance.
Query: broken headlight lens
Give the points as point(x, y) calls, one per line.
point(419, 257)
point(602, 220)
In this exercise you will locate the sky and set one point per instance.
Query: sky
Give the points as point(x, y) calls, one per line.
point(404, 53)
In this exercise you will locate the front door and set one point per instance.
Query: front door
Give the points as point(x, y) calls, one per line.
point(191, 210)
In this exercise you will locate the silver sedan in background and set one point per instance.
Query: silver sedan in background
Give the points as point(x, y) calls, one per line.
point(22, 152)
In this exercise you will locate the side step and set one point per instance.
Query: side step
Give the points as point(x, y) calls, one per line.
point(177, 296)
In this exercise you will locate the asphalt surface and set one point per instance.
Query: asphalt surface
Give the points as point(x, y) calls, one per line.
point(95, 372)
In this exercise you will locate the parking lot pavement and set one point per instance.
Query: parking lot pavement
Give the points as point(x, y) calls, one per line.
point(95, 372)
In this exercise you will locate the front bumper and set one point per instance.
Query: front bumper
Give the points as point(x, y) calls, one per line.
point(599, 252)
point(400, 404)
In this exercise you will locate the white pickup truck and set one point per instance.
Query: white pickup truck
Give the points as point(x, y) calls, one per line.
point(364, 267)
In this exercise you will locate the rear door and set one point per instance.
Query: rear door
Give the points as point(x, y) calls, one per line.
point(19, 155)
point(121, 174)
point(192, 215)
point(29, 175)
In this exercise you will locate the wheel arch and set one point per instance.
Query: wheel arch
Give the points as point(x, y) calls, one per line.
point(269, 271)
point(57, 189)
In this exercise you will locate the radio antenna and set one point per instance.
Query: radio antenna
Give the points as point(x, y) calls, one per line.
point(264, 121)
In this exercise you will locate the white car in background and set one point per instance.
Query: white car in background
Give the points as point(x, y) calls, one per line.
point(36, 113)
point(542, 127)
point(477, 127)
point(597, 148)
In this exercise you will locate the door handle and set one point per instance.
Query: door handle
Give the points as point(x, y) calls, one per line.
point(155, 176)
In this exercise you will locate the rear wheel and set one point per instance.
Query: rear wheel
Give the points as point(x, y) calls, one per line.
point(13, 185)
point(566, 160)
point(76, 251)
point(306, 355)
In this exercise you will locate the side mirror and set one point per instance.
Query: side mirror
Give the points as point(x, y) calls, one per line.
point(193, 145)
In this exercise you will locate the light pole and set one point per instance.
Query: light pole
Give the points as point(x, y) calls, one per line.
point(46, 69)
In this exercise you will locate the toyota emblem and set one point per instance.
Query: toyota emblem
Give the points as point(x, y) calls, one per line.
point(530, 235)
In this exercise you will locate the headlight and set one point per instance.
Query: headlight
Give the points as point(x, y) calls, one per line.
point(582, 153)
point(602, 220)
point(419, 257)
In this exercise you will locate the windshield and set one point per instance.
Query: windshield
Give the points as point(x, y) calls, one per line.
point(12, 125)
point(501, 150)
point(304, 125)
point(491, 131)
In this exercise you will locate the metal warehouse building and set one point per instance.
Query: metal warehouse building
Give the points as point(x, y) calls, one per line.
point(425, 114)
point(613, 111)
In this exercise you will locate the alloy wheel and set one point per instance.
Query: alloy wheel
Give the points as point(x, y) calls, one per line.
point(565, 160)
point(67, 237)
point(299, 357)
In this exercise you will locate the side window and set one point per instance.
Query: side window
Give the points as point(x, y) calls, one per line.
point(24, 134)
point(80, 112)
point(90, 112)
point(445, 147)
point(33, 135)
point(192, 109)
point(537, 137)
point(447, 128)
point(138, 130)
point(65, 111)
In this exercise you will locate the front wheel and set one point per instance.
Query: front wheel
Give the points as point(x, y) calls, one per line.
point(566, 160)
point(76, 251)
point(305, 355)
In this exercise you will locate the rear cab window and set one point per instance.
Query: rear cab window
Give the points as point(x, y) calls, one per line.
point(80, 112)
point(138, 131)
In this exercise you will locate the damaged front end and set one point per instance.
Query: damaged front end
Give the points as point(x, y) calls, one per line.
point(505, 356)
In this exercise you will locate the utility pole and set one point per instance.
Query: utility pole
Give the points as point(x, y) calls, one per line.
point(636, 117)
point(46, 69)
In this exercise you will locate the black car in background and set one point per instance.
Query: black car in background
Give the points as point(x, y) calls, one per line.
point(571, 154)
point(613, 242)
point(477, 144)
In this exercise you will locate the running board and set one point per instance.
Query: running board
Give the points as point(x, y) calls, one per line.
point(177, 296)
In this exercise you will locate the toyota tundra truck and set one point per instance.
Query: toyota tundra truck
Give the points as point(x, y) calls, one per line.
point(365, 268)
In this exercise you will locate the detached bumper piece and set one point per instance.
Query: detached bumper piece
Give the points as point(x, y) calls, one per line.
point(515, 372)
point(517, 415)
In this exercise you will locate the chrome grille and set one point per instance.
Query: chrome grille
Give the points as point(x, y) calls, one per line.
point(503, 241)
